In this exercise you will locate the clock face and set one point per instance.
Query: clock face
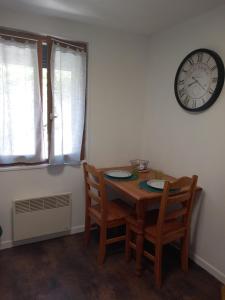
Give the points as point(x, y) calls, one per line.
point(199, 80)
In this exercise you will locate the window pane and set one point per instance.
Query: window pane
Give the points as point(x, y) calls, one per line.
point(18, 110)
point(65, 118)
point(20, 104)
point(68, 72)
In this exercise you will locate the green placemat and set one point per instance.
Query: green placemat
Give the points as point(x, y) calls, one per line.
point(133, 177)
point(144, 186)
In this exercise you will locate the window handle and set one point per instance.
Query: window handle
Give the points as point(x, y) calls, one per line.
point(53, 116)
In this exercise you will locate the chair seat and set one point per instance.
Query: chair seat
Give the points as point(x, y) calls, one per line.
point(151, 217)
point(168, 229)
point(150, 227)
point(117, 210)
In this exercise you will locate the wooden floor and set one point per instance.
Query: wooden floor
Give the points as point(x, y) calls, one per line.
point(62, 269)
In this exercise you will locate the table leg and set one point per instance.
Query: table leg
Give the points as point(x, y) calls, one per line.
point(139, 237)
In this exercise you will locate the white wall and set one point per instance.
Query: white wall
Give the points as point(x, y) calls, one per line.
point(181, 143)
point(116, 86)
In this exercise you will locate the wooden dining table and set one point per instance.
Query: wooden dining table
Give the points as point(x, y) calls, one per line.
point(140, 197)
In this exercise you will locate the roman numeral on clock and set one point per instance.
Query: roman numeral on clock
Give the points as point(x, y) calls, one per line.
point(190, 60)
point(194, 102)
point(214, 80)
point(186, 101)
point(211, 91)
point(181, 92)
point(213, 68)
point(180, 82)
point(200, 57)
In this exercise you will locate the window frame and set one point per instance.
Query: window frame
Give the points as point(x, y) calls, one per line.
point(24, 36)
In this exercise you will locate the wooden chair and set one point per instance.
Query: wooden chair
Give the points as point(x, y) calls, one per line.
point(172, 223)
point(107, 214)
point(223, 292)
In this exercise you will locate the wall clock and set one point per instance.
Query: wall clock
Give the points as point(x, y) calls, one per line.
point(199, 80)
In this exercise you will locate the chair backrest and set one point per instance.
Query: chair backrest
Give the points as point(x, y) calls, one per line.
point(176, 203)
point(95, 189)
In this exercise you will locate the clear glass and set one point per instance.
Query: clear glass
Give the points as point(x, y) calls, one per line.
point(139, 164)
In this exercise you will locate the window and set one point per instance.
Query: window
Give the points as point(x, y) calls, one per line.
point(68, 88)
point(42, 99)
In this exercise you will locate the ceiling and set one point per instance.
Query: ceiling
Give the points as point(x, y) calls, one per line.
point(138, 16)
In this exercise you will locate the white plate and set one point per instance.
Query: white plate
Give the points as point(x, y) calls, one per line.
point(118, 173)
point(156, 183)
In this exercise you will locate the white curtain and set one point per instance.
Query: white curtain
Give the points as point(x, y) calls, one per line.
point(68, 76)
point(20, 103)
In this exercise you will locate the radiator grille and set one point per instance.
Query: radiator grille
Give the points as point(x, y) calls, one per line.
point(43, 203)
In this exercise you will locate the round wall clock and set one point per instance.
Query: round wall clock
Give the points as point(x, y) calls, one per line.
point(199, 80)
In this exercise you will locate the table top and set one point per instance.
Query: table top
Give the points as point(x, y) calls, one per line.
point(131, 187)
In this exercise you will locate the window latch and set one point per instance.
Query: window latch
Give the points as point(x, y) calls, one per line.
point(52, 116)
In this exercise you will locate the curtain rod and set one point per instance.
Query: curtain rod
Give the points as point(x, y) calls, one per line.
point(36, 40)
point(18, 37)
point(59, 41)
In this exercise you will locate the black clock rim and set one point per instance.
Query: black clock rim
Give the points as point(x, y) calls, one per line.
point(219, 86)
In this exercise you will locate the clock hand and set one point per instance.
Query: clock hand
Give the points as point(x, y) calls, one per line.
point(200, 85)
point(193, 82)
point(196, 80)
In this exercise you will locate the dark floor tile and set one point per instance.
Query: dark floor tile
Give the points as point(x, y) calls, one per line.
point(63, 269)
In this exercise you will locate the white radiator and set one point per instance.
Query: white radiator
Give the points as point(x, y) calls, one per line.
point(41, 216)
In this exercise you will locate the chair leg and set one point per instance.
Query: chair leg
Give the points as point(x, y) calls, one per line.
point(139, 253)
point(87, 233)
point(184, 253)
point(102, 245)
point(158, 266)
point(127, 245)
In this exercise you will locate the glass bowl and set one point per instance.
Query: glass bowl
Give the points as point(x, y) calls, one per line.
point(139, 164)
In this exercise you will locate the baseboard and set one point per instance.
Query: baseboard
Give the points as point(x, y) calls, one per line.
point(77, 229)
point(6, 245)
point(10, 243)
point(205, 265)
point(208, 267)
